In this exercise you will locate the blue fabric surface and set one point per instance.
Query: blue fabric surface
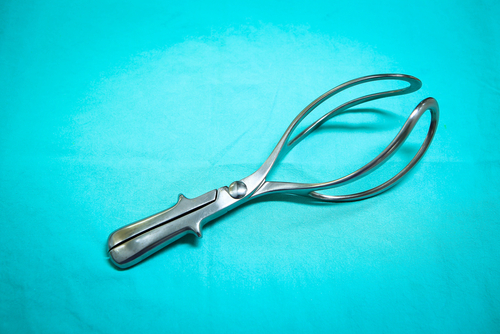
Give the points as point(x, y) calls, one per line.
point(109, 110)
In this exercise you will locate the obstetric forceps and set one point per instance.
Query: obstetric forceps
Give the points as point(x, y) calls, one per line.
point(133, 243)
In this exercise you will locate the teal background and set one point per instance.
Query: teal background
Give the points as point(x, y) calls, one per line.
point(110, 109)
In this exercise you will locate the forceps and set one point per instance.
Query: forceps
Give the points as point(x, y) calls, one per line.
point(133, 243)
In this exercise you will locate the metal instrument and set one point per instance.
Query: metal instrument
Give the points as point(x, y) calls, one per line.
point(133, 243)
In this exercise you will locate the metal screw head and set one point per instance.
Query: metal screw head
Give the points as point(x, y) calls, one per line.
point(237, 189)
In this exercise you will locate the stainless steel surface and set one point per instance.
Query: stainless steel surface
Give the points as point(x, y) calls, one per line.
point(131, 244)
point(120, 242)
point(237, 189)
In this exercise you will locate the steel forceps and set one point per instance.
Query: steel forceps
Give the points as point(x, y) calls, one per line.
point(133, 243)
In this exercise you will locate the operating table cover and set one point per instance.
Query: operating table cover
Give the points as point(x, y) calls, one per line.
point(109, 110)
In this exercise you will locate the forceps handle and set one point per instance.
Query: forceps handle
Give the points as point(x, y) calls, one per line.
point(132, 243)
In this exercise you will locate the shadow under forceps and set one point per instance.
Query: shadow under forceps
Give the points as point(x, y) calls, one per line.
point(133, 243)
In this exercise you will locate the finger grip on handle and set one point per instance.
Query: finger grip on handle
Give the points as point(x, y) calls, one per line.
point(132, 243)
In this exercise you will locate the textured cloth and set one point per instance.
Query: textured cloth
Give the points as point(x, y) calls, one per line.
point(109, 110)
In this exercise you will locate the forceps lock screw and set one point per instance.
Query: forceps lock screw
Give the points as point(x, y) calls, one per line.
point(237, 189)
